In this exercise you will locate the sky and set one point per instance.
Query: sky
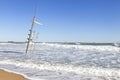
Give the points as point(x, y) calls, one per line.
point(63, 20)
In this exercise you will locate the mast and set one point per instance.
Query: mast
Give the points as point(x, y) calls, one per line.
point(30, 35)
point(31, 29)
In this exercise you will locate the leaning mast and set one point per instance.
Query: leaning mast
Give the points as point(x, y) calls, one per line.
point(30, 35)
point(31, 31)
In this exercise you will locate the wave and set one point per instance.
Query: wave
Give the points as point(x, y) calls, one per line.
point(82, 47)
point(95, 71)
point(77, 45)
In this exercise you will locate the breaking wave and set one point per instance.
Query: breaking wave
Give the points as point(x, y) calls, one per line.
point(96, 71)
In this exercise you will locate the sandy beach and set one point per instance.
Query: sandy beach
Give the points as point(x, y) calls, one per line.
point(4, 75)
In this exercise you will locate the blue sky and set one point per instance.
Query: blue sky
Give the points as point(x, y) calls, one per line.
point(63, 20)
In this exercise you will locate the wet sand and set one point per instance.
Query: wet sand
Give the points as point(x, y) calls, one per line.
point(4, 75)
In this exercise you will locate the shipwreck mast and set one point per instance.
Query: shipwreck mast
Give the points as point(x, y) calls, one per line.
point(30, 35)
point(30, 38)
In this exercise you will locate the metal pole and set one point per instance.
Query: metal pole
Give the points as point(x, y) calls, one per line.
point(30, 35)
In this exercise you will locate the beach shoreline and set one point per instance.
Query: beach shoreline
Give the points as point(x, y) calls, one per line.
point(6, 75)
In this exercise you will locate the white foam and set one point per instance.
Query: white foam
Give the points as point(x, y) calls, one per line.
point(68, 68)
point(84, 47)
point(78, 47)
point(63, 58)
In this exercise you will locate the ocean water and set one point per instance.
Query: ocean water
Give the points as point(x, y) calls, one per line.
point(62, 61)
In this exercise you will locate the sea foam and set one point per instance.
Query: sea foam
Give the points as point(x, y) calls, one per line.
point(96, 71)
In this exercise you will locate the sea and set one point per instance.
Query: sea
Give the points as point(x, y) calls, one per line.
point(62, 60)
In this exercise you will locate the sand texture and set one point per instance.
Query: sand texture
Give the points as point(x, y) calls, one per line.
point(4, 75)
